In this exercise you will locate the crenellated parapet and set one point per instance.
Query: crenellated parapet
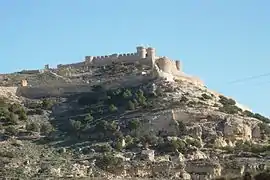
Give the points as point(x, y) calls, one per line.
point(143, 55)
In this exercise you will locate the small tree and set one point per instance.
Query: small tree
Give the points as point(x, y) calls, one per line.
point(13, 118)
point(33, 126)
point(47, 104)
point(76, 125)
point(131, 105)
point(11, 130)
point(88, 119)
point(113, 108)
point(134, 124)
point(46, 128)
point(22, 114)
point(127, 94)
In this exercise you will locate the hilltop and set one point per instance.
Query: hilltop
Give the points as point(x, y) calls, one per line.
point(135, 115)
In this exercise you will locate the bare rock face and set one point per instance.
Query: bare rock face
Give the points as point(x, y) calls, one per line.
point(204, 167)
point(237, 129)
point(148, 155)
point(197, 155)
point(256, 132)
point(195, 131)
point(220, 142)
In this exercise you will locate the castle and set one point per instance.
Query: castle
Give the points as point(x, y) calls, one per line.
point(163, 66)
point(142, 55)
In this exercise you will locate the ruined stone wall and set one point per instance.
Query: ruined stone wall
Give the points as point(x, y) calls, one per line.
point(106, 60)
point(168, 66)
point(63, 89)
point(73, 65)
point(47, 91)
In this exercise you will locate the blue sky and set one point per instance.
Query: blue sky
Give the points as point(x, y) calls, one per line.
point(217, 40)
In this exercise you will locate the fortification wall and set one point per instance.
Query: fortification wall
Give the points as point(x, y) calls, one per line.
point(107, 60)
point(73, 65)
point(140, 55)
point(47, 91)
point(168, 66)
point(65, 89)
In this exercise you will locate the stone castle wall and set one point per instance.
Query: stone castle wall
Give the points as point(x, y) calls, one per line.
point(142, 55)
point(52, 91)
point(63, 89)
point(168, 66)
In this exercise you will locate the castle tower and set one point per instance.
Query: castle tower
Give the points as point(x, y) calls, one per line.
point(151, 55)
point(178, 65)
point(141, 51)
point(46, 67)
point(88, 59)
point(24, 83)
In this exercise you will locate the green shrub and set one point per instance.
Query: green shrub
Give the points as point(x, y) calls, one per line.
point(194, 142)
point(76, 125)
point(108, 160)
point(172, 146)
point(131, 105)
point(118, 145)
point(113, 108)
point(8, 154)
point(128, 140)
point(37, 111)
point(46, 128)
point(134, 124)
point(149, 139)
point(11, 130)
point(127, 94)
point(106, 148)
point(206, 96)
point(262, 118)
point(3, 102)
point(22, 114)
point(182, 128)
point(230, 109)
point(257, 116)
point(47, 104)
point(13, 118)
point(33, 126)
point(14, 107)
point(265, 128)
point(88, 119)
point(226, 101)
point(248, 113)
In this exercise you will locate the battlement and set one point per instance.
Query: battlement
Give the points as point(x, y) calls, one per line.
point(142, 53)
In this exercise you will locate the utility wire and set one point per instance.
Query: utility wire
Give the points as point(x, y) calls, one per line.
point(249, 78)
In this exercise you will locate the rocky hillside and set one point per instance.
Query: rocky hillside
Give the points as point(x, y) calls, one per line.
point(154, 129)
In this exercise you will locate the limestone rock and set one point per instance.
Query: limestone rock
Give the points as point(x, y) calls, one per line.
point(197, 155)
point(195, 131)
point(148, 155)
point(236, 128)
point(256, 132)
point(220, 142)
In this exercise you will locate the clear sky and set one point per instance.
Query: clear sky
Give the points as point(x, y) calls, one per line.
point(217, 40)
